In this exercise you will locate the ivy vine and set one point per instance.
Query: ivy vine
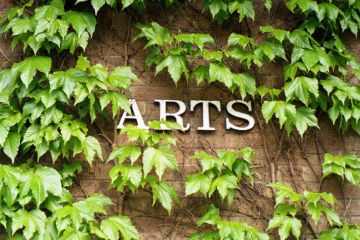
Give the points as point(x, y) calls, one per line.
point(46, 111)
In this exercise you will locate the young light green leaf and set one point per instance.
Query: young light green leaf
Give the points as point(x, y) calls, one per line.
point(117, 226)
point(160, 159)
point(81, 22)
point(11, 145)
point(286, 225)
point(162, 192)
point(40, 183)
point(284, 192)
point(154, 33)
point(197, 183)
point(122, 152)
point(176, 65)
point(32, 222)
point(300, 88)
point(282, 110)
point(28, 68)
point(91, 148)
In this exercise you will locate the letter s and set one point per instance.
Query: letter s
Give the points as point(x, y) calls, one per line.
point(233, 112)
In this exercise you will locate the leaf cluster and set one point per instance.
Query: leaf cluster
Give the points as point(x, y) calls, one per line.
point(315, 77)
point(49, 27)
point(149, 153)
point(222, 173)
point(35, 205)
point(220, 10)
point(291, 207)
point(224, 229)
point(43, 110)
point(339, 16)
point(346, 166)
point(174, 51)
point(311, 84)
point(346, 231)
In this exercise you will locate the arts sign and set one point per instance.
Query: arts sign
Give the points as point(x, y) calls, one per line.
point(182, 108)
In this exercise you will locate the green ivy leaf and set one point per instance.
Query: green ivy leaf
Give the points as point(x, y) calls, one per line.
point(197, 182)
point(11, 145)
point(300, 87)
point(176, 65)
point(81, 22)
point(286, 226)
point(239, 39)
point(122, 76)
point(32, 222)
point(28, 68)
point(304, 118)
point(154, 33)
point(10, 176)
point(91, 148)
point(268, 4)
point(97, 4)
point(208, 161)
point(201, 74)
point(310, 58)
point(73, 215)
point(246, 84)
point(282, 110)
point(126, 3)
point(162, 192)
point(112, 226)
point(211, 217)
point(40, 183)
point(300, 39)
point(218, 9)
point(126, 176)
point(221, 73)
point(118, 101)
point(122, 152)
point(74, 234)
point(134, 133)
point(284, 192)
point(244, 8)
point(225, 185)
point(65, 80)
point(160, 159)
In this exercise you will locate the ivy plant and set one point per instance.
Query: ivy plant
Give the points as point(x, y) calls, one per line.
point(143, 162)
point(69, 171)
point(346, 231)
point(44, 110)
point(173, 52)
point(328, 14)
point(311, 79)
point(35, 205)
point(49, 27)
point(38, 106)
point(290, 208)
point(222, 173)
point(346, 166)
point(220, 10)
point(223, 229)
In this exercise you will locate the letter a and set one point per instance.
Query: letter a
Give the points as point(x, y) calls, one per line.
point(136, 116)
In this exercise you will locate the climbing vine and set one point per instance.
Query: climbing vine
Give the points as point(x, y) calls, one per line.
point(36, 205)
point(49, 110)
point(154, 151)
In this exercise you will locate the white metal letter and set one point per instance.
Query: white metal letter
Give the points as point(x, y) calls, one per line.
point(206, 118)
point(177, 115)
point(233, 112)
point(136, 116)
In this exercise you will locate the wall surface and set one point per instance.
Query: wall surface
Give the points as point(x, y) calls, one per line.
point(293, 160)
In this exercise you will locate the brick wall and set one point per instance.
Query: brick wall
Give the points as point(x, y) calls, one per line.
point(297, 161)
